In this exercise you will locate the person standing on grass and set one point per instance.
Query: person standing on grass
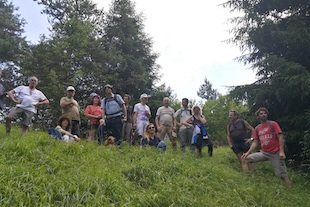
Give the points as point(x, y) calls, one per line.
point(127, 125)
point(237, 135)
point(27, 101)
point(185, 132)
point(197, 122)
point(114, 113)
point(70, 106)
point(166, 122)
point(272, 142)
point(94, 113)
point(141, 116)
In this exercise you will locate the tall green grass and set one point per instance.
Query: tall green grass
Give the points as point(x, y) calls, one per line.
point(38, 171)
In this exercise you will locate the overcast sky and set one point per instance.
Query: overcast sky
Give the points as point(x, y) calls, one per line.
point(188, 36)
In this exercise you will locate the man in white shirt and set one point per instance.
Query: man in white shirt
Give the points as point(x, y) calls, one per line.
point(141, 116)
point(185, 132)
point(27, 101)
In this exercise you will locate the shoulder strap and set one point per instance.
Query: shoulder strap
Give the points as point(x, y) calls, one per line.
point(242, 122)
point(256, 129)
point(271, 127)
point(115, 99)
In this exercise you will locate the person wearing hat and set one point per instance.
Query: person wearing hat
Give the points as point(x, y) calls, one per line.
point(63, 127)
point(27, 101)
point(141, 116)
point(114, 113)
point(70, 106)
point(93, 112)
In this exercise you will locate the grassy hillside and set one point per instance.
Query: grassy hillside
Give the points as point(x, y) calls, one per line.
point(37, 171)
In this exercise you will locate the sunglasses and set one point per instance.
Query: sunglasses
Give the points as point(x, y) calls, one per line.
point(151, 127)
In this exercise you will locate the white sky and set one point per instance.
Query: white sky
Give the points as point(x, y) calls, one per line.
point(188, 36)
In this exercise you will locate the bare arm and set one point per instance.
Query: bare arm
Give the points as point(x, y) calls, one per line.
point(187, 122)
point(11, 95)
point(45, 101)
point(281, 144)
point(249, 127)
point(252, 148)
point(228, 137)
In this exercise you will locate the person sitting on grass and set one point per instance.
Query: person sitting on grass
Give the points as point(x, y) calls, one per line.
point(150, 139)
point(63, 127)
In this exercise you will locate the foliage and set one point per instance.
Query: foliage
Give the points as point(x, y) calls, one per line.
point(207, 92)
point(275, 34)
point(37, 171)
point(137, 69)
point(216, 113)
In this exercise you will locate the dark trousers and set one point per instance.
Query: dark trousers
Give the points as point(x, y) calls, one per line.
point(75, 127)
point(115, 126)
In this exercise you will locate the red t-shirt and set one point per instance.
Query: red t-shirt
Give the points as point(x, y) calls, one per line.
point(93, 110)
point(268, 137)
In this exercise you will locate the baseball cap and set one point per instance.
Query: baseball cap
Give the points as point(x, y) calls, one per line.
point(70, 88)
point(93, 94)
point(108, 86)
point(144, 95)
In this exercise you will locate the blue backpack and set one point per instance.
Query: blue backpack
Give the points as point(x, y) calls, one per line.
point(54, 133)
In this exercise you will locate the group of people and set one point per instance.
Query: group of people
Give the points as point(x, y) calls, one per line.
point(114, 113)
point(268, 133)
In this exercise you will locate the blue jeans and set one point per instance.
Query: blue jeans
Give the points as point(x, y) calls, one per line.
point(114, 125)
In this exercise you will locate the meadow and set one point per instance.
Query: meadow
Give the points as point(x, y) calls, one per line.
point(38, 171)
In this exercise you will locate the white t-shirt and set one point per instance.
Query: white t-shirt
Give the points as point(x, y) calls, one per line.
point(141, 112)
point(184, 114)
point(29, 98)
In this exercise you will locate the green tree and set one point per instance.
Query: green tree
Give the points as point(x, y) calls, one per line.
point(274, 36)
point(206, 91)
point(216, 112)
point(137, 71)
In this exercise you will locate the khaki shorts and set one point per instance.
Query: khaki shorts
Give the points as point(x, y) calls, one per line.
point(278, 165)
point(17, 112)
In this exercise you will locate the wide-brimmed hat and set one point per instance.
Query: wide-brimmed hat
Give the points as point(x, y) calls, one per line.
point(64, 116)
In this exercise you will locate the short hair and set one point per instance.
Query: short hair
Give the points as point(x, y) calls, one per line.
point(33, 77)
point(166, 98)
point(127, 95)
point(261, 109)
point(235, 112)
point(185, 99)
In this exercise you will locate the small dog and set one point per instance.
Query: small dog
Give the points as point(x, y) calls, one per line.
point(110, 141)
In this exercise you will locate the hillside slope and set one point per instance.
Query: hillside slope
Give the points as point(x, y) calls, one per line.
point(37, 171)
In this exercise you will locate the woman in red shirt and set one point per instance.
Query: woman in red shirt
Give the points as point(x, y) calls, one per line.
point(94, 113)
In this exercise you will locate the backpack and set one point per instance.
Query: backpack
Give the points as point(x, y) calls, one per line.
point(190, 111)
point(242, 122)
point(115, 99)
point(54, 133)
point(273, 131)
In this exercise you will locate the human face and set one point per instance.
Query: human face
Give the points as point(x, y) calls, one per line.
point(126, 99)
point(144, 100)
point(95, 100)
point(151, 128)
point(64, 123)
point(166, 102)
point(232, 116)
point(33, 82)
point(70, 94)
point(262, 116)
point(108, 90)
point(196, 111)
point(184, 103)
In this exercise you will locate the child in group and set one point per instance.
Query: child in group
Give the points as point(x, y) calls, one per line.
point(64, 124)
